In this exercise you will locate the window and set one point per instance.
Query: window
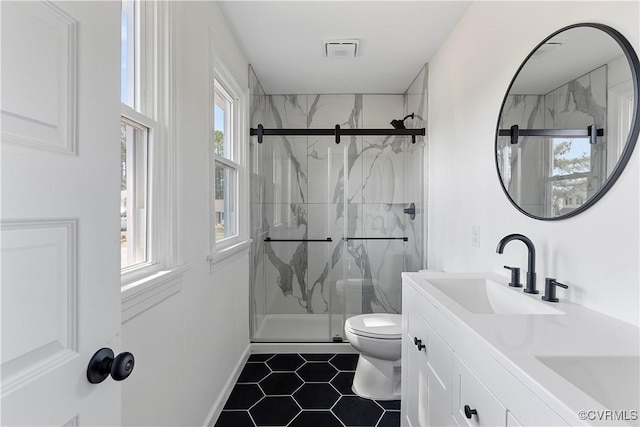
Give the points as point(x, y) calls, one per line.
point(226, 169)
point(133, 193)
point(127, 52)
point(229, 211)
point(137, 129)
point(569, 173)
point(147, 197)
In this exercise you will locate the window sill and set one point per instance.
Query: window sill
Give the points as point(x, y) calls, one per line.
point(228, 255)
point(143, 294)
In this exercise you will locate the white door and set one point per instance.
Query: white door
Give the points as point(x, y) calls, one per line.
point(60, 210)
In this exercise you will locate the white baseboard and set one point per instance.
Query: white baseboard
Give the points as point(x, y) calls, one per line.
point(215, 411)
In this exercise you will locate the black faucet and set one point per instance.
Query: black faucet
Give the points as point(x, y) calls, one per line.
point(531, 264)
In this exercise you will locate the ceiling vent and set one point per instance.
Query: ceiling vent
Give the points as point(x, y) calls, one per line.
point(547, 47)
point(341, 48)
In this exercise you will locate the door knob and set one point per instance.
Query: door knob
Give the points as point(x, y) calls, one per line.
point(418, 343)
point(103, 364)
point(468, 412)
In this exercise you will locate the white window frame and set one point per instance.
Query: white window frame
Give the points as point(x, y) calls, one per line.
point(227, 249)
point(228, 161)
point(146, 284)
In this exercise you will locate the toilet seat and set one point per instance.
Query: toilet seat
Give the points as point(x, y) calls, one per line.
point(383, 326)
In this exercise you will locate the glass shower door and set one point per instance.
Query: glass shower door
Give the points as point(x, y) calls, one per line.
point(380, 239)
point(296, 238)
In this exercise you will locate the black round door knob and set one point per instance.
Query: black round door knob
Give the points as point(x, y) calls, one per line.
point(103, 364)
point(418, 343)
point(468, 412)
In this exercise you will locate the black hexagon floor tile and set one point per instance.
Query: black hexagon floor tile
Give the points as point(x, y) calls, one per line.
point(253, 372)
point(356, 411)
point(316, 396)
point(343, 382)
point(345, 362)
point(290, 401)
point(274, 411)
point(285, 362)
point(317, 357)
point(243, 396)
point(260, 357)
point(234, 419)
point(316, 372)
point(280, 383)
point(315, 419)
point(390, 419)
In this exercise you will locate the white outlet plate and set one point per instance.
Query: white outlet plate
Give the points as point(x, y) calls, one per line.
point(475, 236)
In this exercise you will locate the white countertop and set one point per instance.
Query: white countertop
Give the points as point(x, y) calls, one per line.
point(517, 341)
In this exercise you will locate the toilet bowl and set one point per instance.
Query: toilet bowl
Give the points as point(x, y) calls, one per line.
point(378, 338)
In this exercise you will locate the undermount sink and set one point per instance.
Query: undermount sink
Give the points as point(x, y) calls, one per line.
point(484, 296)
point(610, 380)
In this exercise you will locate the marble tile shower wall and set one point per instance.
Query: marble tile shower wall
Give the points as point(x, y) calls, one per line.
point(309, 187)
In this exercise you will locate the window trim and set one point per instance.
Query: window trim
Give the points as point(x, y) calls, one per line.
point(224, 250)
point(145, 285)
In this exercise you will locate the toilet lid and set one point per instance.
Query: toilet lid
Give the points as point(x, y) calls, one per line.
point(376, 325)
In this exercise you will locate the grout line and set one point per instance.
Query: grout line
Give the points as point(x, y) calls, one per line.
point(302, 410)
point(379, 419)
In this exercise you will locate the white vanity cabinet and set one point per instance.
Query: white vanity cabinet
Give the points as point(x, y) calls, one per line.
point(472, 403)
point(454, 370)
point(426, 388)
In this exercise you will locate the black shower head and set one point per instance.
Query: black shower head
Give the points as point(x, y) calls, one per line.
point(399, 124)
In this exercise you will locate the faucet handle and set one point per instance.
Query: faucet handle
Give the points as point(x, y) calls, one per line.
point(515, 277)
point(550, 289)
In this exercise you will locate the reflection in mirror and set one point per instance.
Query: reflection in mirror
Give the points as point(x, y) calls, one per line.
point(578, 80)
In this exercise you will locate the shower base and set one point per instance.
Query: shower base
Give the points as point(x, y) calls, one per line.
point(298, 328)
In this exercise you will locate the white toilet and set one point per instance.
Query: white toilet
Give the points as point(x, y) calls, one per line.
point(377, 337)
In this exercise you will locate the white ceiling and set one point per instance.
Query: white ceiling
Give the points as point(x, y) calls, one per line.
point(580, 50)
point(283, 41)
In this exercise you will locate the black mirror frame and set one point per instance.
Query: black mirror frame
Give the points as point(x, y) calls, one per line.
point(632, 138)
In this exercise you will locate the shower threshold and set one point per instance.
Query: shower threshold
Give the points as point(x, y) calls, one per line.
point(303, 328)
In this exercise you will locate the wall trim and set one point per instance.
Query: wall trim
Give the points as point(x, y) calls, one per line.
point(140, 296)
point(228, 255)
point(215, 411)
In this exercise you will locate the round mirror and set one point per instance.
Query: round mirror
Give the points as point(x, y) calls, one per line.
point(569, 121)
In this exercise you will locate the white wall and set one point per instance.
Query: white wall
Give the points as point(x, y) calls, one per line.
point(597, 252)
point(188, 346)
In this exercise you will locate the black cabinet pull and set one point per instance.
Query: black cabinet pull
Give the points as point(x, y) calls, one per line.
point(418, 343)
point(468, 412)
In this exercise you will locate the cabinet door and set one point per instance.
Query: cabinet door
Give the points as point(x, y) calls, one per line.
point(469, 392)
point(427, 392)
